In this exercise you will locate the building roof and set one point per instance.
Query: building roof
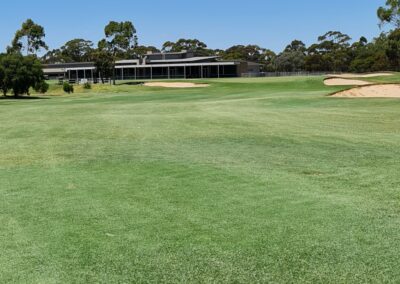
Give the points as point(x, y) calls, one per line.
point(217, 63)
point(127, 61)
point(53, 70)
point(190, 59)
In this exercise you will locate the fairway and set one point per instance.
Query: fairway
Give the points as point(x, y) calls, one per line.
point(243, 181)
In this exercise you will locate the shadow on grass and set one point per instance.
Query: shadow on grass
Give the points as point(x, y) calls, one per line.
point(12, 98)
point(131, 83)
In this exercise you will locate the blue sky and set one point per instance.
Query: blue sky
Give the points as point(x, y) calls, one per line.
point(219, 23)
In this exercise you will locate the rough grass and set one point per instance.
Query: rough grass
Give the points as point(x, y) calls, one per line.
point(249, 180)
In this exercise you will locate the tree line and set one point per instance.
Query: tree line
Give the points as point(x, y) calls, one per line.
point(20, 67)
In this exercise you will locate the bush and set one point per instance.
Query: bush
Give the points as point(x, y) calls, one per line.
point(87, 86)
point(41, 87)
point(68, 88)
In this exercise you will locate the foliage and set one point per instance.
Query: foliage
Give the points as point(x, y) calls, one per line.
point(68, 88)
point(331, 53)
point(19, 73)
point(41, 87)
point(104, 63)
point(290, 61)
point(193, 45)
point(296, 46)
point(142, 50)
point(87, 86)
point(76, 50)
point(32, 34)
point(252, 53)
point(393, 49)
point(390, 13)
point(120, 40)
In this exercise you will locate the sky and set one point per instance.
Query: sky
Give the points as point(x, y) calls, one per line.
point(219, 23)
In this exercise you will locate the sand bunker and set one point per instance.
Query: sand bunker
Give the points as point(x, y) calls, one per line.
point(175, 85)
point(345, 82)
point(375, 91)
point(349, 75)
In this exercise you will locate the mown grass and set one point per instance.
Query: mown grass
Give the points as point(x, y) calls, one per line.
point(249, 180)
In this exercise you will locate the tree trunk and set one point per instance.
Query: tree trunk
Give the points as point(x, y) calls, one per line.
point(113, 72)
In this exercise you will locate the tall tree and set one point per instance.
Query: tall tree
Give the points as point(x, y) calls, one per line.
point(142, 50)
point(104, 62)
point(29, 38)
point(331, 53)
point(120, 39)
point(290, 61)
point(252, 53)
point(194, 45)
point(53, 56)
point(390, 13)
point(393, 49)
point(296, 45)
point(3, 85)
point(77, 50)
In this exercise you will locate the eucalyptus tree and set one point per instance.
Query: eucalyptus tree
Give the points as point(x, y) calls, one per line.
point(390, 13)
point(29, 38)
point(194, 45)
point(121, 39)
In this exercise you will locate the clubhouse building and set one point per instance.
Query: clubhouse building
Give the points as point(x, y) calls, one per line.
point(153, 66)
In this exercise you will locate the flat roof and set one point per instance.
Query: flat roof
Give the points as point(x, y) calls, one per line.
point(221, 63)
point(53, 70)
point(190, 59)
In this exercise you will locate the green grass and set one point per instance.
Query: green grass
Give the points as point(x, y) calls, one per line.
point(249, 180)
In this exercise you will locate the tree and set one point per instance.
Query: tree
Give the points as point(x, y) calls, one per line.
point(20, 73)
point(393, 49)
point(370, 57)
point(142, 50)
point(390, 13)
point(53, 56)
point(32, 35)
point(120, 39)
point(104, 63)
point(3, 86)
point(252, 53)
point(193, 45)
point(77, 50)
point(331, 53)
point(290, 61)
point(296, 45)
point(268, 61)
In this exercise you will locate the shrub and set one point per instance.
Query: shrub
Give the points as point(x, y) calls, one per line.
point(41, 87)
point(87, 86)
point(68, 88)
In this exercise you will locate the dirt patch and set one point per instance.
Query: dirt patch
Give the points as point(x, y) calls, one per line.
point(175, 85)
point(374, 91)
point(370, 75)
point(345, 82)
